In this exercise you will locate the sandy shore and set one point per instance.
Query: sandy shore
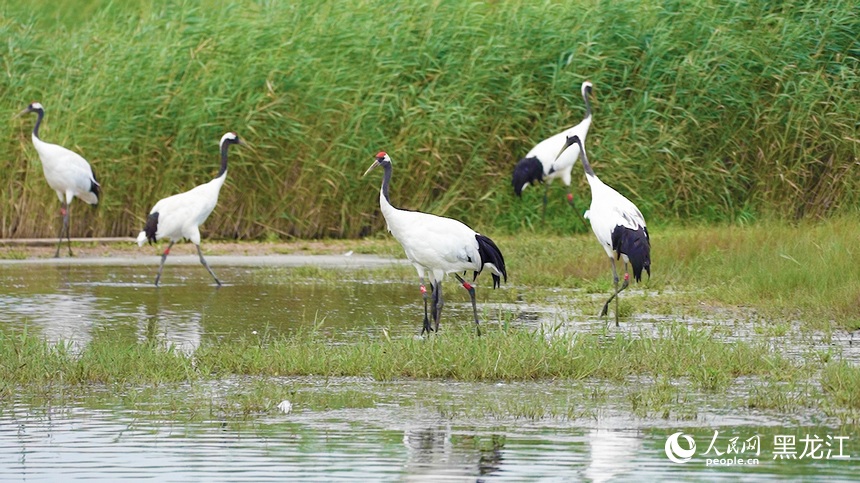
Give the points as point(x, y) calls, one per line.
point(118, 251)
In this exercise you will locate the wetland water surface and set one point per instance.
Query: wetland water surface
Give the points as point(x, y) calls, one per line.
point(348, 428)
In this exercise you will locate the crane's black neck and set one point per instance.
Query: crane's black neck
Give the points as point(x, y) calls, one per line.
point(41, 114)
point(386, 180)
point(585, 93)
point(585, 163)
point(223, 170)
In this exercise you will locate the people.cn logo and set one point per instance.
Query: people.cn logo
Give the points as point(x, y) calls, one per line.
point(675, 452)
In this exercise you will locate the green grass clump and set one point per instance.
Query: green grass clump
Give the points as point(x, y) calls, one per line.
point(704, 110)
point(28, 359)
point(841, 380)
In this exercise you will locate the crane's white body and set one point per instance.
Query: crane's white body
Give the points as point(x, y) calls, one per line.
point(66, 171)
point(547, 150)
point(180, 215)
point(548, 160)
point(610, 209)
point(619, 227)
point(433, 243)
point(440, 246)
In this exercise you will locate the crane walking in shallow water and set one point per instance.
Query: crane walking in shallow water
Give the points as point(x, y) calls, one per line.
point(440, 246)
point(67, 172)
point(618, 225)
point(542, 164)
point(179, 216)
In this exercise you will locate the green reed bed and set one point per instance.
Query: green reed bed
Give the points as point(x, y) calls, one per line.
point(704, 110)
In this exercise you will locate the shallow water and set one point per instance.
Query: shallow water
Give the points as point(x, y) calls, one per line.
point(70, 303)
point(415, 430)
point(391, 440)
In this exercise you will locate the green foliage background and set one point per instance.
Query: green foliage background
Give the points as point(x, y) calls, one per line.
point(705, 110)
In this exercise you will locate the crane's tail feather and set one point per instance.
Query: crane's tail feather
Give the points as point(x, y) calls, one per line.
point(527, 171)
point(636, 245)
point(492, 256)
point(149, 230)
point(95, 189)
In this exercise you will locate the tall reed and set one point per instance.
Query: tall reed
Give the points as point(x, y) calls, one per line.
point(704, 110)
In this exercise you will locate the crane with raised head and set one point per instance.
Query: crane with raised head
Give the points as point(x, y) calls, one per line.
point(618, 225)
point(180, 216)
point(438, 245)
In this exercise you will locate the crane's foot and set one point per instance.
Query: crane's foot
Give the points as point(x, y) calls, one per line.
point(427, 327)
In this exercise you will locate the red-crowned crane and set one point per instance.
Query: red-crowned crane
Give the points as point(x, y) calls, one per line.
point(542, 164)
point(438, 245)
point(618, 225)
point(67, 172)
point(179, 216)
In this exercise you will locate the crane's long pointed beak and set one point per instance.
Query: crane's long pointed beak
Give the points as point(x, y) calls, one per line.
point(25, 111)
point(567, 143)
point(375, 164)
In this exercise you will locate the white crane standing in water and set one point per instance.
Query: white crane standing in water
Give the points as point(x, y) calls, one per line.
point(179, 216)
point(542, 164)
point(440, 246)
point(67, 173)
point(618, 225)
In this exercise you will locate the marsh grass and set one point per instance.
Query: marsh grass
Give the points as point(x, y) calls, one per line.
point(664, 375)
point(709, 111)
point(500, 355)
point(840, 382)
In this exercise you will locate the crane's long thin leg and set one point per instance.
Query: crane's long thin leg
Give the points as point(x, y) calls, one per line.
point(439, 304)
point(432, 307)
point(163, 258)
point(426, 327)
point(203, 261)
point(63, 228)
point(69, 226)
point(617, 290)
point(471, 289)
